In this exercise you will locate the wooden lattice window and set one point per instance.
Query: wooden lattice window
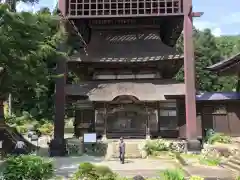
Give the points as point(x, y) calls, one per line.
point(123, 8)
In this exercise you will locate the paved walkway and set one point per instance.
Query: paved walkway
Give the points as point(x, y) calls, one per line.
point(209, 172)
point(146, 167)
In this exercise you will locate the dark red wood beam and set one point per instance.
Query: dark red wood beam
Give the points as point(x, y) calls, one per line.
point(197, 14)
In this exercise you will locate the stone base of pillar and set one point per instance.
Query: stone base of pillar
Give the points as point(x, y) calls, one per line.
point(148, 137)
point(57, 147)
point(193, 145)
point(104, 137)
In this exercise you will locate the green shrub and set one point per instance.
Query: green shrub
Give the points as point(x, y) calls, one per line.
point(210, 161)
point(99, 149)
point(220, 138)
point(92, 172)
point(238, 178)
point(27, 167)
point(172, 174)
point(103, 170)
point(156, 146)
point(85, 170)
point(22, 129)
point(196, 178)
point(46, 128)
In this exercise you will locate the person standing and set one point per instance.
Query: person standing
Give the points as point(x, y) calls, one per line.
point(122, 150)
point(20, 148)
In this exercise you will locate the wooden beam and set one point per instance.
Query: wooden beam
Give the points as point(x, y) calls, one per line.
point(189, 73)
point(197, 14)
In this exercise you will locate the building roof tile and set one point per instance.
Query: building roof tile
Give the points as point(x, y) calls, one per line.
point(143, 91)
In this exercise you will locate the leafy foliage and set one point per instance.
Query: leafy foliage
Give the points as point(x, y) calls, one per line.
point(172, 174)
point(155, 146)
point(91, 172)
point(28, 55)
point(210, 50)
point(28, 167)
point(219, 138)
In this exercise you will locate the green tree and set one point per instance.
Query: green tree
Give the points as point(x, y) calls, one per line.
point(27, 54)
point(207, 52)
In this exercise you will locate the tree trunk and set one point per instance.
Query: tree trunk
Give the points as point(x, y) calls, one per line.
point(1, 112)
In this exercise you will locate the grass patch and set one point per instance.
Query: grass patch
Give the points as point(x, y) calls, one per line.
point(209, 161)
point(172, 174)
point(162, 155)
point(199, 159)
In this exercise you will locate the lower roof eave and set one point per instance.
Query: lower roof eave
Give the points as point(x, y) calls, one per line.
point(144, 91)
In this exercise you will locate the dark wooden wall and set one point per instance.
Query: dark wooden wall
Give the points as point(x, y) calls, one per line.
point(222, 116)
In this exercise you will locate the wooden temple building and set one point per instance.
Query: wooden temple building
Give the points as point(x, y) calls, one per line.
point(126, 62)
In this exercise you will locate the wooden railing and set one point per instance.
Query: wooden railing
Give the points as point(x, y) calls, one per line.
point(126, 8)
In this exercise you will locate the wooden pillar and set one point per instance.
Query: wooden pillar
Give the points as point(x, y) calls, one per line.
point(2, 119)
point(189, 72)
point(58, 145)
point(105, 122)
point(60, 99)
point(147, 122)
point(238, 83)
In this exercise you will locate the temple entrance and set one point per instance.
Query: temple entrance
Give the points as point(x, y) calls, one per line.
point(126, 120)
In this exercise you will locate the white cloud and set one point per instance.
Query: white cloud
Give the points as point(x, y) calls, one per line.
point(217, 32)
point(201, 25)
point(25, 7)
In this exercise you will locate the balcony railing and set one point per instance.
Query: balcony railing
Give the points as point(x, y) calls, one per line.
point(123, 8)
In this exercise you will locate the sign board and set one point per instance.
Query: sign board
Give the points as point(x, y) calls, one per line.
point(90, 138)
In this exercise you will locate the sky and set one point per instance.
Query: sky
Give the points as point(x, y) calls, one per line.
point(221, 16)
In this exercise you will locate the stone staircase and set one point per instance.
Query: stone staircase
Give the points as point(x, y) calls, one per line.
point(133, 149)
point(233, 164)
point(9, 136)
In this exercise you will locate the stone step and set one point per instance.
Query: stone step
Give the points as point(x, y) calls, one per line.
point(231, 166)
point(235, 161)
point(133, 149)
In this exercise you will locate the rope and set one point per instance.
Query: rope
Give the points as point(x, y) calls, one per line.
point(76, 31)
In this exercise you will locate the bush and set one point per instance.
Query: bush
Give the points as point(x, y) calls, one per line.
point(220, 138)
point(172, 174)
point(46, 128)
point(156, 146)
point(27, 167)
point(22, 129)
point(92, 172)
point(98, 149)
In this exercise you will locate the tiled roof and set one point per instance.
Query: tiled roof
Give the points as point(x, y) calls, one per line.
point(227, 63)
point(218, 96)
point(126, 47)
point(144, 91)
